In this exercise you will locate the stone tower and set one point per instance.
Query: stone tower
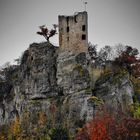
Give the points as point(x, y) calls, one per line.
point(73, 32)
point(71, 61)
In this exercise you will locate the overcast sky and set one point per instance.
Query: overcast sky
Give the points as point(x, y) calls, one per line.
point(110, 22)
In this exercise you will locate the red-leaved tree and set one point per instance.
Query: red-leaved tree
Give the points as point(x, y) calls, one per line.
point(96, 129)
point(109, 127)
point(47, 33)
point(129, 60)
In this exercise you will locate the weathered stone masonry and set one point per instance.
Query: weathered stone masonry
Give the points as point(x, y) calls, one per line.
point(73, 32)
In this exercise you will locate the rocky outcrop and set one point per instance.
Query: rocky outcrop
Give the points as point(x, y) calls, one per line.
point(72, 73)
point(58, 84)
point(38, 71)
point(45, 78)
point(7, 105)
point(116, 90)
point(34, 79)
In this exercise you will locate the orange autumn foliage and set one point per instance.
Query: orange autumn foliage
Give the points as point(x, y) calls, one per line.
point(97, 129)
point(109, 127)
point(42, 119)
point(15, 129)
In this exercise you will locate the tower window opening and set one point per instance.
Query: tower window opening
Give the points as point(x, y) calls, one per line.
point(75, 19)
point(83, 37)
point(67, 38)
point(31, 58)
point(67, 20)
point(68, 29)
point(83, 28)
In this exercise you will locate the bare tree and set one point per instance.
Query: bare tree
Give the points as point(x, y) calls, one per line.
point(106, 53)
point(118, 49)
point(92, 50)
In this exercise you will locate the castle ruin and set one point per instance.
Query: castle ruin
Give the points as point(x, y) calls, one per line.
point(73, 32)
point(71, 61)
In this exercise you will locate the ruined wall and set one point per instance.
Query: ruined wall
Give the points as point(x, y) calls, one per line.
point(73, 33)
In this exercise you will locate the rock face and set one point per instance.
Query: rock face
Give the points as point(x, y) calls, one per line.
point(116, 90)
point(72, 73)
point(38, 71)
point(42, 80)
point(7, 106)
point(59, 86)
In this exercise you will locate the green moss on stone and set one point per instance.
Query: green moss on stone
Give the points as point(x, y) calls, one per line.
point(80, 70)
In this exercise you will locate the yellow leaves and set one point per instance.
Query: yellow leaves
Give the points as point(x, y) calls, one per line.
point(15, 131)
point(24, 129)
point(135, 110)
point(107, 71)
point(20, 138)
point(79, 69)
point(2, 137)
point(78, 129)
point(42, 119)
point(93, 98)
point(96, 100)
point(136, 83)
point(16, 127)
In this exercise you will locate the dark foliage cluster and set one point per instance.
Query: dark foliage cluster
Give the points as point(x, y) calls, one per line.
point(125, 57)
point(129, 60)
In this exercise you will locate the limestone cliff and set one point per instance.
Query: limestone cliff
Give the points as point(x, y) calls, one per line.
point(46, 80)
point(116, 90)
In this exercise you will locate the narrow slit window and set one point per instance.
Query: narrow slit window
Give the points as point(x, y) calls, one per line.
point(31, 58)
point(67, 38)
point(75, 19)
point(68, 29)
point(83, 28)
point(83, 37)
point(67, 20)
